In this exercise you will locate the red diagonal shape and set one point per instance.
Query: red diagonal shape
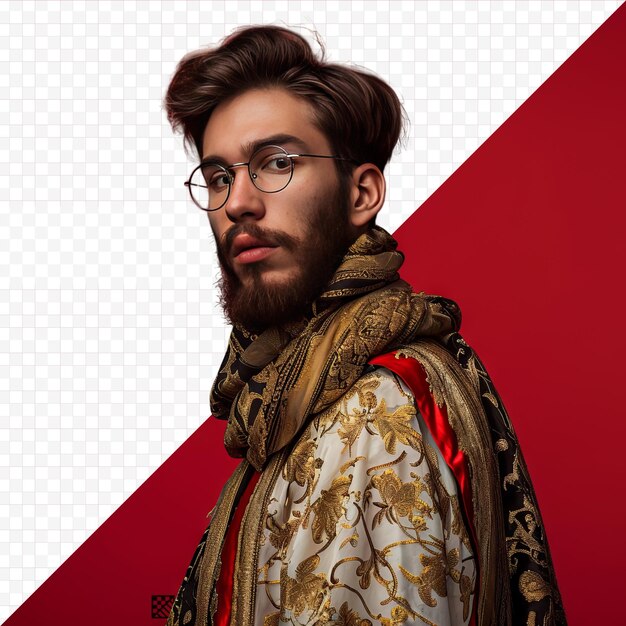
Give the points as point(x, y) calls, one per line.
point(528, 237)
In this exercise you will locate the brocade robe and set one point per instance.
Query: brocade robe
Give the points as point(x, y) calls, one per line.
point(365, 521)
point(366, 509)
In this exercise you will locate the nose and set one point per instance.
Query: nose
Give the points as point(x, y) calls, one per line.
point(245, 201)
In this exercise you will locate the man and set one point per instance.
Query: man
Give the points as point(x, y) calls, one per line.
point(381, 480)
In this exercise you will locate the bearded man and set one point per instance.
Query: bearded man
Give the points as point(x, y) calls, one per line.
point(381, 479)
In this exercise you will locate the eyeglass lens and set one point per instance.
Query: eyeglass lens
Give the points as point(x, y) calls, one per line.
point(270, 169)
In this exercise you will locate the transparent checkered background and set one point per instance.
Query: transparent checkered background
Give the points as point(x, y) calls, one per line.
point(109, 332)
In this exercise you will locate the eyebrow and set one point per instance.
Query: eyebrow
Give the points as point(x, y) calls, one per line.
point(248, 148)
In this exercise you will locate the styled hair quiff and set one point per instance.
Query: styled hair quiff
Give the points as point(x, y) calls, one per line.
point(359, 113)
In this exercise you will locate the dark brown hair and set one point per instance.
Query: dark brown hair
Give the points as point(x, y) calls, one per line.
point(360, 114)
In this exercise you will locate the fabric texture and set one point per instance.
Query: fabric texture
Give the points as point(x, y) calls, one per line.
point(224, 585)
point(270, 387)
point(364, 522)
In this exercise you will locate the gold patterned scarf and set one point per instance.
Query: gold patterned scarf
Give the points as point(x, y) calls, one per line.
point(267, 386)
point(270, 386)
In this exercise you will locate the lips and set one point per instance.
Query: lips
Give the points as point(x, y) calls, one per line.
point(243, 242)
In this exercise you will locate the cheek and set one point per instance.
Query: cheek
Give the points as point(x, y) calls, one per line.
point(286, 214)
point(297, 210)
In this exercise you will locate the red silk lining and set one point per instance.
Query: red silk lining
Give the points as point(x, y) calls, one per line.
point(224, 586)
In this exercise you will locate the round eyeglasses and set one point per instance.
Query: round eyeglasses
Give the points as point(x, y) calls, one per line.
point(270, 168)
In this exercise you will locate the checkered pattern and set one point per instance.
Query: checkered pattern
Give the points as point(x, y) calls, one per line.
point(161, 606)
point(109, 331)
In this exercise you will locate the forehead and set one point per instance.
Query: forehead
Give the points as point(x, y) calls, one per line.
point(238, 123)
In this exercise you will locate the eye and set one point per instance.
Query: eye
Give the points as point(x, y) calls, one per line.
point(218, 181)
point(278, 163)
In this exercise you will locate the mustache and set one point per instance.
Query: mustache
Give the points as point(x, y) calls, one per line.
point(269, 236)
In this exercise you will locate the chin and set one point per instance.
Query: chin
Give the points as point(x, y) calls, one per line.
point(271, 277)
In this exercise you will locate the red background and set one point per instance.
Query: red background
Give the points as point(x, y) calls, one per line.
point(528, 237)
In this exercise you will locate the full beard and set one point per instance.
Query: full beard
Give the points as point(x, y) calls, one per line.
point(258, 304)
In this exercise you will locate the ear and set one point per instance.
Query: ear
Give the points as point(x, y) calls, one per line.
point(367, 194)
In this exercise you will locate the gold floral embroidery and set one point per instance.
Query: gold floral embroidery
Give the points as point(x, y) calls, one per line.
point(436, 568)
point(300, 465)
point(280, 536)
point(306, 591)
point(273, 619)
point(399, 499)
point(396, 426)
point(373, 415)
point(349, 617)
point(533, 586)
point(345, 532)
point(329, 508)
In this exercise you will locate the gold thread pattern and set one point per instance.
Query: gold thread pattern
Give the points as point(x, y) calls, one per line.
point(345, 544)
